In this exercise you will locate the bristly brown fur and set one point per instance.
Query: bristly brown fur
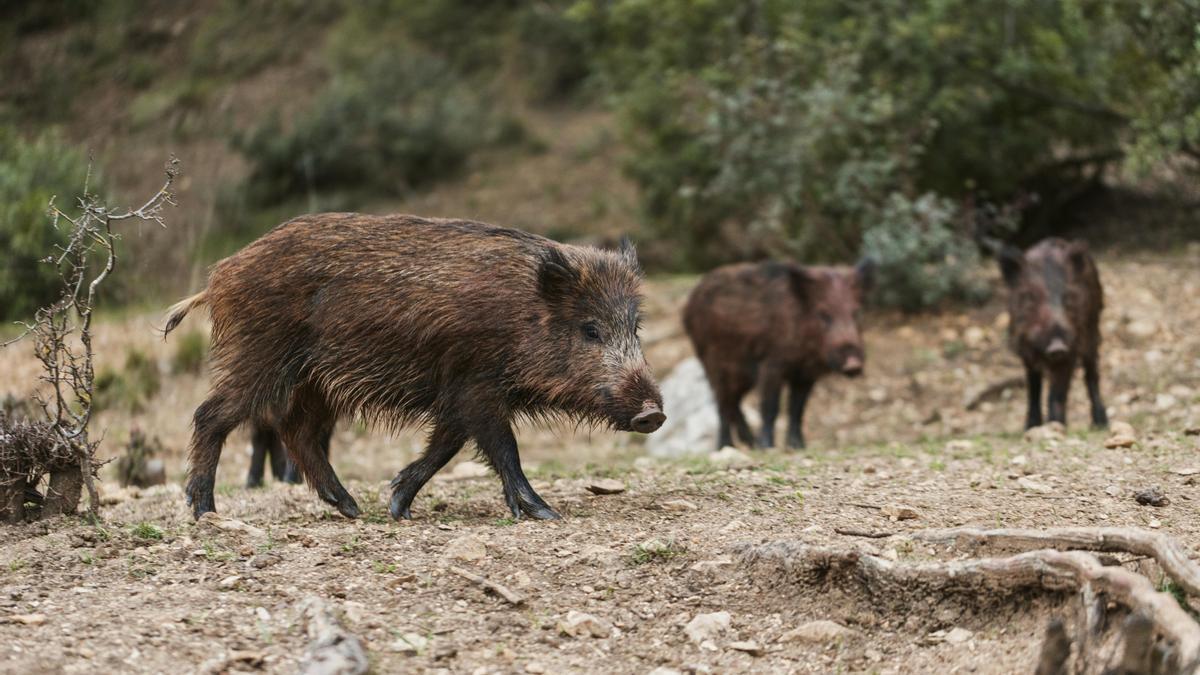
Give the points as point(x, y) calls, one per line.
point(400, 320)
point(773, 323)
point(1055, 294)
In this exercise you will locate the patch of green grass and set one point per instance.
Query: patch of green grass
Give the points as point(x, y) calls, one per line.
point(505, 522)
point(214, 553)
point(656, 550)
point(16, 565)
point(353, 546)
point(149, 531)
point(86, 558)
point(937, 465)
point(382, 567)
point(227, 489)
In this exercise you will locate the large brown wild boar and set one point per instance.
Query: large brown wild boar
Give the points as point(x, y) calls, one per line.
point(773, 323)
point(1054, 304)
point(400, 320)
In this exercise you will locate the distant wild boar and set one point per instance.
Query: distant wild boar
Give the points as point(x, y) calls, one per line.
point(265, 447)
point(774, 323)
point(1054, 305)
point(400, 320)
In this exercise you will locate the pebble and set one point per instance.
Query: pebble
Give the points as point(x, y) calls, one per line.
point(731, 458)
point(229, 582)
point(896, 512)
point(409, 643)
point(707, 626)
point(580, 624)
point(468, 548)
point(606, 486)
point(818, 632)
point(678, 505)
point(1025, 483)
point(1151, 497)
point(746, 646)
point(1121, 435)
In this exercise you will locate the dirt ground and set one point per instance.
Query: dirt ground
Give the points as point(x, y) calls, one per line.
point(147, 590)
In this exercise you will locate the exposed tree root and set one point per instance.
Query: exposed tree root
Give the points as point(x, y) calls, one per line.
point(1172, 645)
point(1170, 554)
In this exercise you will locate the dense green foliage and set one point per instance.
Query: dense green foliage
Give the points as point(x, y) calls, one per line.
point(808, 128)
point(31, 172)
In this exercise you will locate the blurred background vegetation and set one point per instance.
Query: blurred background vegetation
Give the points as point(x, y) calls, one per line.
point(710, 130)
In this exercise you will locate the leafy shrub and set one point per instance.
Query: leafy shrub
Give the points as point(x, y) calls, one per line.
point(190, 351)
point(923, 258)
point(130, 388)
point(31, 172)
point(390, 121)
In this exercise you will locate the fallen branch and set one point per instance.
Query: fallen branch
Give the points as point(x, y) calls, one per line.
point(332, 650)
point(994, 390)
point(1042, 570)
point(511, 596)
point(1170, 554)
point(851, 532)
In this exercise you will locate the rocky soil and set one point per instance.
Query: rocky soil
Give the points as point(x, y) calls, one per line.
point(646, 576)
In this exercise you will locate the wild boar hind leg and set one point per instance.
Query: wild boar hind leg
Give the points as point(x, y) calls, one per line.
point(499, 446)
point(770, 386)
point(800, 388)
point(444, 443)
point(308, 422)
point(1033, 388)
point(1091, 375)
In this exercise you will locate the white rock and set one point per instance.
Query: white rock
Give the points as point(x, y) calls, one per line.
point(707, 626)
point(899, 512)
point(409, 643)
point(731, 458)
point(821, 631)
point(678, 505)
point(580, 624)
point(974, 336)
point(960, 445)
point(229, 582)
point(467, 547)
point(1031, 485)
point(605, 486)
point(1050, 431)
point(691, 425)
point(746, 646)
point(212, 521)
point(733, 526)
point(712, 565)
point(958, 636)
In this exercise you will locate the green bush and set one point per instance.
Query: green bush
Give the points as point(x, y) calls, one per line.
point(31, 172)
point(923, 257)
point(191, 349)
point(130, 388)
point(390, 121)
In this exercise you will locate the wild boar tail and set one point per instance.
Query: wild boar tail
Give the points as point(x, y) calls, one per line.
point(180, 309)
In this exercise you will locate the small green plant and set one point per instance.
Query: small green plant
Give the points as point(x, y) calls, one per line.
point(190, 351)
point(505, 522)
point(382, 567)
point(16, 565)
point(353, 546)
point(214, 553)
point(86, 558)
point(656, 550)
point(148, 531)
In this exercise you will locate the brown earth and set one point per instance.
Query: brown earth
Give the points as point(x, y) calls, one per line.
point(146, 590)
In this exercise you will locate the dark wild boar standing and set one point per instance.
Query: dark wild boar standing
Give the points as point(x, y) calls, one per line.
point(771, 324)
point(1054, 305)
point(402, 320)
point(266, 449)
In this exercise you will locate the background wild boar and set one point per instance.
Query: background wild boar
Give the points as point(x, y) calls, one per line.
point(265, 447)
point(1054, 304)
point(772, 323)
point(401, 320)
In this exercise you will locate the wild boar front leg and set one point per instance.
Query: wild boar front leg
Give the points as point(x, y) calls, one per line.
point(1033, 388)
point(770, 384)
point(213, 421)
point(1060, 386)
point(499, 446)
point(800, 388)
point(1091, 375)
point(445, 441)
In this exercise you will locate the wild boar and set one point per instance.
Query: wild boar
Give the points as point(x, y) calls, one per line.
point(773, 323)
point(401, 320)
point(1054, 304)
point(265, 447)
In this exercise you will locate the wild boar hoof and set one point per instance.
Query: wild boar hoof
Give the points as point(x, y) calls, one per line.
point(539, 512)
point(200, 498)
point(401, 504)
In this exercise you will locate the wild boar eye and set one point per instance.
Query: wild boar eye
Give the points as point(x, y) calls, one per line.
point(826, 319)
point(591, 332)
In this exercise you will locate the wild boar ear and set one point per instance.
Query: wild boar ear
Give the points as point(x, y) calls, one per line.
point(1077, 254)
point(803, 282)
point(1011, 261)
point(629, 254)
point(864, 272)
point(556, 275)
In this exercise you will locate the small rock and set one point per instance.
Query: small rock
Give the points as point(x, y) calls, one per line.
point(1121, 435)
point(731, 458)
point(820, 631)
point(229, 582)
point(1141, 328)
point(606, 486)
point(468, 548)
point(1165, 401)
point(1019, 460)
point(1151, 497)
point(678, 505)
point(1026, 483)
point(732, 526)
point(1186, 471)
point(663, 670)
point(1112, 491)
point(212, 521)
point(26, 619)
point(534, 667)
point(747, 646)
point(1051, 431)
point(974, 336)
point(960, 445)
point(409, 643)
point(958, 636)
point(712, 565)
point(262, 561)
point(707, 626)
point(896, 512)
point(1155, 524)
point(579, 624)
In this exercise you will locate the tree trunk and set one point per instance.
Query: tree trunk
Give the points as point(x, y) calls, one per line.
point(62, 496)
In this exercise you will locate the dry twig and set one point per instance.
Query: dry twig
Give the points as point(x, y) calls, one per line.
point(508, 594)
